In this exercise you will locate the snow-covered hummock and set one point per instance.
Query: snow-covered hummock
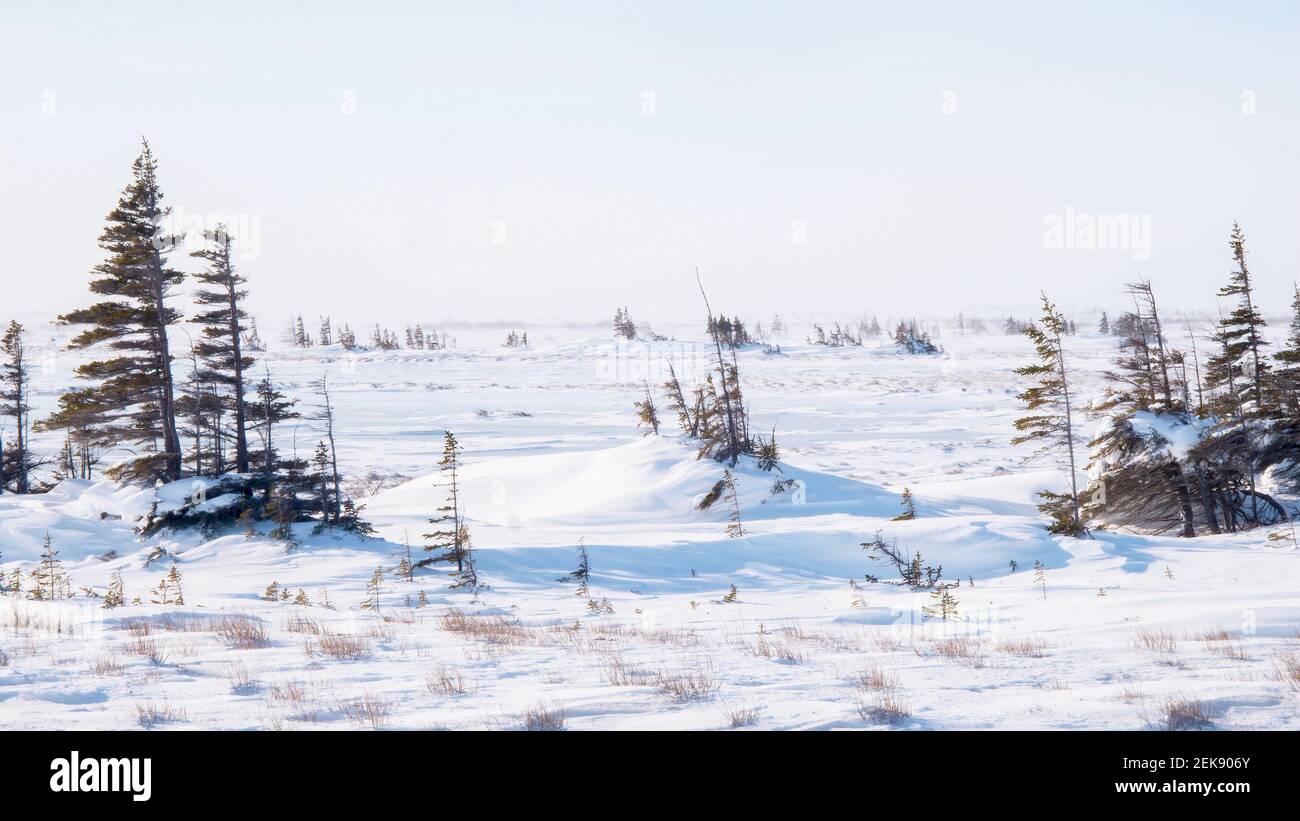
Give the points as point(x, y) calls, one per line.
point(552, 460)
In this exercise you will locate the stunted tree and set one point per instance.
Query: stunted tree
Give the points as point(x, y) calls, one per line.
point(908, 505)
point(1237, 377)
point(48, 579)
point(1050, 424)
point(326, 416)
point(15, 458)
point(689, 424)
point(450, 539)
point(220, 351)
point(734, 528)
point(1241, 336)
point(133, 398)
point(582, 575)
point(1140, 477)
point(716, 332)
point(270, 409)
point(647, 415)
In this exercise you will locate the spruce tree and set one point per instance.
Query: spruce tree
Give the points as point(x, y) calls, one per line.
point(326, 416)
point(49, 580)
point(115, 596)
point(133, 398)
point(1139, 477)
point(270, 409)
point(451, 535)
point(677, 402)
point(909, 507)
point(320, 480)
point(1051, 422)
point(374, 589)
point(582, 575)
point(734, 528)
point(15, 458)
point(220, 349)
point(1241, 337)
point(646, 414)
point(717, 333)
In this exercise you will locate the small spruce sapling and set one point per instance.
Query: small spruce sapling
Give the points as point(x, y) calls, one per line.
point(374, 588)
point(1040, 577)
point(909, 507)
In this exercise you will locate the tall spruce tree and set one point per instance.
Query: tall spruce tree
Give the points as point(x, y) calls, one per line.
point(326, 416)
point(15, 458)
point(451, 536)
point(1051, 421)
point(1241, 338)
point(1236, 376)
point(133, 399)
point(270, 409)
point(220, 350)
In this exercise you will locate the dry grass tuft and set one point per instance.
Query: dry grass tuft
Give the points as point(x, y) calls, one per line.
point(1286, 669)
point(1235, 652)
point(776, 650)
point(1156, 640)
point(289, 694)
point(874, 679)
point(149, 714)
point(446, 682)
point(496, 630)
point(1217, 634)
point(1131, 693)
point(1029, 647)
point(301, 624)
point(242, 632)
point(960, 649)
point(106, 666)
point(887, 708)
point(688, 686)
point(741, 717)
point(148, 648)
point(241, 680)
point(1177, 713)
point(618, 673)
point(338, 646)
point(542, 718)
point(367, 710)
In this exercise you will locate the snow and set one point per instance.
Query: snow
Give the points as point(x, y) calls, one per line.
point(553, 460)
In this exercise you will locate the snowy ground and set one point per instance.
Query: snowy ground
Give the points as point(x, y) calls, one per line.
point(552, 457)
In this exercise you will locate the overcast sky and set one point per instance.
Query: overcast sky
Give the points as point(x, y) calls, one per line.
point(426, 161)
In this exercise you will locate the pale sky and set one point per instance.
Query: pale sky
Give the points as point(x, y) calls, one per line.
point(481, 161)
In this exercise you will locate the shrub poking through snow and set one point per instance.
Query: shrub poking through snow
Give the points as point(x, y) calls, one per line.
point(909, 507)
point(886, 708)
point(115, 596)
point(943, 604)
point(732, 595)
point(542, 718)
point(582, 575)
point(647, 415)
point(1185, 714)
point(734, 528)
point(1040, 577)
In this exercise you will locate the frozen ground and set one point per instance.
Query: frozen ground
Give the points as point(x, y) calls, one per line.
point(552, 457)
